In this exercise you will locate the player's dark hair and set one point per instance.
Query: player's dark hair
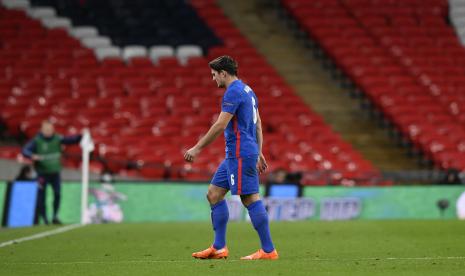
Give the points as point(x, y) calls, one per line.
point(224, 63)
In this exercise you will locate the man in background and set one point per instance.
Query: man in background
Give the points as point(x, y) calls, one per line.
point(45, 151)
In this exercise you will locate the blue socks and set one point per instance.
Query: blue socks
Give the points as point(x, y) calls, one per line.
point(220, 216)
point(259, 217)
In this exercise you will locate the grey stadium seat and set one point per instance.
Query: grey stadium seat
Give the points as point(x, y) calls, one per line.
point(83, 32)
point(156, 52)
point(16, 4)
point(42, 12)
point(183, 52)
point(56, 22)
point(107, 52)
point(96, 42)
point(134, 51)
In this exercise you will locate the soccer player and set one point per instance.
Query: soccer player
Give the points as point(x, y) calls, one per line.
point(45, 150)
point(240, 121)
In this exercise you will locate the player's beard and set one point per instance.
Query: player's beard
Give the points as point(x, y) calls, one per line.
point(221, 85)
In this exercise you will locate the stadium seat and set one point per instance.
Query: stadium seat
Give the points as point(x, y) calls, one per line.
point(42, 12)
point(96, 42)
point(157, 52)
point(56, 22)
point(108, 52)
point(16, 4)
point(184, 52)
point(83, 32)
point(134, 51)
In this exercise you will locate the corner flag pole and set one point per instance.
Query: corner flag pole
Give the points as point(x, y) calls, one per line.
point(87, 146)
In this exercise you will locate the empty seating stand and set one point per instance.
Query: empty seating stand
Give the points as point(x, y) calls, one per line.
point(407, 60)
point(145, 110)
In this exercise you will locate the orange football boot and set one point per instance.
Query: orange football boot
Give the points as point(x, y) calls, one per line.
point(262, 255)
point(212, 253)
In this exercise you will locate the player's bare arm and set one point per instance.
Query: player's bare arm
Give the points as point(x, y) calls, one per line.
point(215, 130)
point(261, 163)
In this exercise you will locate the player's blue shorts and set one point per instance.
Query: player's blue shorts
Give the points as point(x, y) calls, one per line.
point(238, 175)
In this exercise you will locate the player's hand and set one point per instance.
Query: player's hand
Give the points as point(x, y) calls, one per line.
point(190, 155)
point(261, 164)
point(36, 157)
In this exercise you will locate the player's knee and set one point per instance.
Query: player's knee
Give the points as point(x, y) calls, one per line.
point(245, 201)
point(249, 199)
point(213, 197)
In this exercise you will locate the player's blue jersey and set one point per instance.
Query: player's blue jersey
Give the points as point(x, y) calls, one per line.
point(241, 132)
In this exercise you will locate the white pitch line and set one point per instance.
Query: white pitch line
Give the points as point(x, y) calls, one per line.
point(219, 261)
point(42, 235)
point(393, 259)
point(428, 258)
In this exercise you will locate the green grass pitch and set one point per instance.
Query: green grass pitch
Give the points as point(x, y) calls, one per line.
point(306, 248)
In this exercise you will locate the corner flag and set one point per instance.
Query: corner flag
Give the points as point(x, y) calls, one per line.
point(87, 146)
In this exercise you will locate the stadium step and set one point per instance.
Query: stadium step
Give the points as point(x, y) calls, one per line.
point(259, 21)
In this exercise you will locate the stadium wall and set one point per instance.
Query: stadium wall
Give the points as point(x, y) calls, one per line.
point(139, 202)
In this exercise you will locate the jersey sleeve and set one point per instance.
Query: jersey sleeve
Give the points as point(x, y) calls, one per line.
point(231, 101)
